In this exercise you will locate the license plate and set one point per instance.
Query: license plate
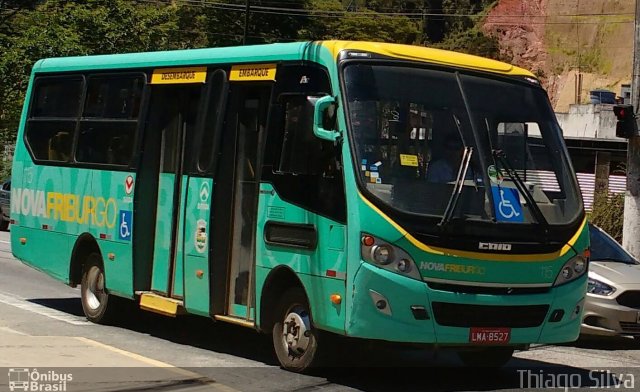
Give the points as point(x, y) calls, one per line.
point(489, 335)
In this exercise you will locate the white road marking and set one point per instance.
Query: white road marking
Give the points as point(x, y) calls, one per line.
point(13, 331)
point(208, 382)
point(5, 242)
point(22, 303)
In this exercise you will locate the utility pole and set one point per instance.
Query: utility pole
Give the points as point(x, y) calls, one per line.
point(246, 23)
point(631, 228)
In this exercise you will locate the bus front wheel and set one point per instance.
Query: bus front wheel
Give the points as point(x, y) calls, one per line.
point(294, 339)
point(494, 357)
point(97, 304)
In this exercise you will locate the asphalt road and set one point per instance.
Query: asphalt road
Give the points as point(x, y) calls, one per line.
point(41, 324)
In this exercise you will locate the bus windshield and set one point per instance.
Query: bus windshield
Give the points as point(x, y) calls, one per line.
point(459, 145)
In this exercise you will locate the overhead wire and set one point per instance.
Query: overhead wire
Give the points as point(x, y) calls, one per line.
point(306, 12)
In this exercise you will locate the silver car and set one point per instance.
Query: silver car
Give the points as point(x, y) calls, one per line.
point(613, 293)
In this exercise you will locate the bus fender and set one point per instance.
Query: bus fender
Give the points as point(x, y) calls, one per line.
point(279, 280)
point(85, 245)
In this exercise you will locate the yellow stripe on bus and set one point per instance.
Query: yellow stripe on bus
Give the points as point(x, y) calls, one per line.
point(253, 72)
point(423, 54)
point(179, 75)
point(477, 255)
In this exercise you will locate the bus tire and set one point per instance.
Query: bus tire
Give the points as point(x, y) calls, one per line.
point(97, 304)
point(295, 341)
point(493, 357)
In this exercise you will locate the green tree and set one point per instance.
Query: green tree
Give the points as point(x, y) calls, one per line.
point(607, 213)
point(472, 41)
point(328, 20)
point(56, 28)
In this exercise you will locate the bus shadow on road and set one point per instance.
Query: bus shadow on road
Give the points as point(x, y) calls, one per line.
point(368, 367)
point(202, 332)
point(526, 375)
point(607, 343)
point(71, 306)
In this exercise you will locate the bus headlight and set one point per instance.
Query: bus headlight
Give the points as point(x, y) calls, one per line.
point(404, 266)
point(579, 266)
point(384, 255)
point(572, 270)
point(381, 254)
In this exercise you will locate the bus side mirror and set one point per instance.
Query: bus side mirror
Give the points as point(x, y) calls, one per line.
point(325, 106)
point(626, 126)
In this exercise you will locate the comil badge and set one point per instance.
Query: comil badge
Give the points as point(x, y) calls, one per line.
point(128, 185)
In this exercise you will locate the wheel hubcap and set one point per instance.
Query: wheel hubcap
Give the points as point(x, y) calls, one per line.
point(296, 331)
point(95, 290)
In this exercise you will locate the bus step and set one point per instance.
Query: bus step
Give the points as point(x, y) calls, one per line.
point(163, 305)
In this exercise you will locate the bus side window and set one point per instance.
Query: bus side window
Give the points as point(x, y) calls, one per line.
point(51, 140)
point(59, 147)
point(113, 96)
point(215, 103)
point(109, 119)
point(299, 146)
point(52, 118)
point(105, 142)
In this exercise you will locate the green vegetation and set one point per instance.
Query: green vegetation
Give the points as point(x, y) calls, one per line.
point(607, 213)
point(35, 29)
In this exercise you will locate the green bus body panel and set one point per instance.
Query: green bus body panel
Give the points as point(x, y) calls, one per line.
point(196, 245)
point(45, 251)
point(118, 272)
point(54, 205)
point(329, 255)
point(164, 225)
point(401, 293)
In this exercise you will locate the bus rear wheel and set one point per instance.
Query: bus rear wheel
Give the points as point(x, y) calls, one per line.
point(294, 339)
point(97, 304)
point(494, 357)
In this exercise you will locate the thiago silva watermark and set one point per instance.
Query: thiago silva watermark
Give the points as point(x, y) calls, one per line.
point(25, 379)
point(591, 379)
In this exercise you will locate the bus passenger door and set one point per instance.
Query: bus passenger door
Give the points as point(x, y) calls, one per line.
point(201, 191)
point(235, 201)
point(172, 120)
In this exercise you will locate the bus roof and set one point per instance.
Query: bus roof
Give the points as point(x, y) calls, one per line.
point(271, 52)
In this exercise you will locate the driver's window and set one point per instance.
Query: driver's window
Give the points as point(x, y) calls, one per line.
point(301, 151)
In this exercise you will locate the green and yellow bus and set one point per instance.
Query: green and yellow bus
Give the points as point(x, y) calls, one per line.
point(370, 190)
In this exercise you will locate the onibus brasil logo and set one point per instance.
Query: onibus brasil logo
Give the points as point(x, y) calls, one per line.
point(23, 379)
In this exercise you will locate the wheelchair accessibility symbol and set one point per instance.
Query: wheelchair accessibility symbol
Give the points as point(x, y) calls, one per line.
point(125, 226)
point(507, 204)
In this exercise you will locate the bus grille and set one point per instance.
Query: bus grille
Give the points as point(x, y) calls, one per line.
point(461, 315)
point(629, 299)
point(456, 288)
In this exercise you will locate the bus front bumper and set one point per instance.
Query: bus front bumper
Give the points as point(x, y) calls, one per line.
point(391, 307)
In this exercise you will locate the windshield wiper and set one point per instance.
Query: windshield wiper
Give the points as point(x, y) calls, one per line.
point(501, 156)
point(457, 187)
